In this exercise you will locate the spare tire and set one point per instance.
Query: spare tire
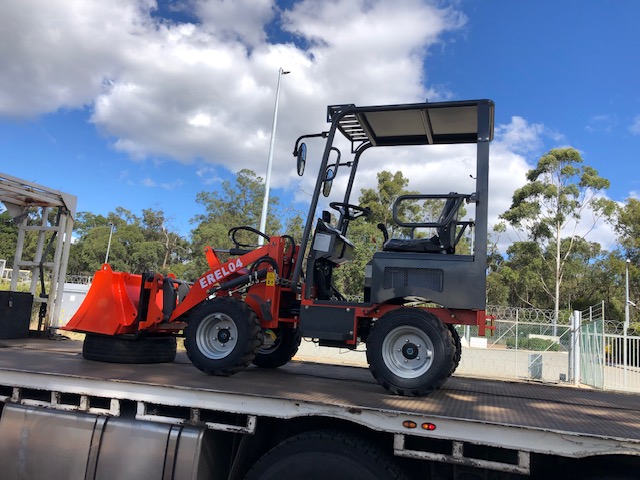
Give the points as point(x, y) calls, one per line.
point(104, 348)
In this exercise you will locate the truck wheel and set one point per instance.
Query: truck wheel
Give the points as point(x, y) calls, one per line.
point(222, 336)
point(458, 343)
point(410, 352)
point(104, 348)
point(282, 345)
point(323, 454)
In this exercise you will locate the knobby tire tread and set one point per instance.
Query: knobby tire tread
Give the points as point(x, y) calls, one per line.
point(379, 370)
point(290, 342)
point(253, 344)
point(109, 349)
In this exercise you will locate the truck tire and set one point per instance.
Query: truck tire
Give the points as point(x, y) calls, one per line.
point(223, 336)
point(458, 343)
point(285, 346)
point(410, 352)
point(325, 454)
point(104, 348)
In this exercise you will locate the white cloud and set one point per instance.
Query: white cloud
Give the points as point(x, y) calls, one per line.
point(520, 135)
point(602, 124)
point(60, 53)
point(147, 182)
point(635, 126)
point(150, 183)
point(242, 20)
point(206, 90)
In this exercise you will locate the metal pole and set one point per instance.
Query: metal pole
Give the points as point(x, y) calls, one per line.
point(626, 300)
point(575, 347)
point(267, 182)
point(106, 257)
point(625, 347)
point(517, 339)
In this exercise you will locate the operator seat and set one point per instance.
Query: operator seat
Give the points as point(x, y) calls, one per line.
point(443, 242)
point(334, 250)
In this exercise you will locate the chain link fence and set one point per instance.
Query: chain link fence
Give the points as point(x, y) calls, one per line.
point(527, 343)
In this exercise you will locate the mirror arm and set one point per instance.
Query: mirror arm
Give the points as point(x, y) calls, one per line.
point(302, 137)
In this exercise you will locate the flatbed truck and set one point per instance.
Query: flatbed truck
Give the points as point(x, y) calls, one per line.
point(65, 417)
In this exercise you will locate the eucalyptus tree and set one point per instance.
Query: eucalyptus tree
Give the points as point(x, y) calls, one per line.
point(380, 201)
point(135, 244)
point(563, 198)
point(8, 237)
point(627, 226)
point(237, 203)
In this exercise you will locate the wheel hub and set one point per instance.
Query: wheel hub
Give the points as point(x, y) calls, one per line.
point(224, 335)
point(217, 336)
point(410, 351)
point(407, 351)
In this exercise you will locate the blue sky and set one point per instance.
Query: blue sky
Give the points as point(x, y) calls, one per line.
point(134, 104)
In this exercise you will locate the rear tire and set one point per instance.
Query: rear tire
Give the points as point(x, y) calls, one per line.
point(458, 343)
point(324, 454)
point(284, 347)
point(410, 352)
point(223, 336)
point(104, 348)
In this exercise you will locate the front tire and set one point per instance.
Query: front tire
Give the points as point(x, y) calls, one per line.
point(410, 352)
point(223, 336)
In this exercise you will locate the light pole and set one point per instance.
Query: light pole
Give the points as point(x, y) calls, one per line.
point(267, 182)
point(106, 257)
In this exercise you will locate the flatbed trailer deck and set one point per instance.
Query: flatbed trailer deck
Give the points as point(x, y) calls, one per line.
point(522, 418)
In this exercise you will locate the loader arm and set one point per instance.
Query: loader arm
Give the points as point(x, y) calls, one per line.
point(231, 274)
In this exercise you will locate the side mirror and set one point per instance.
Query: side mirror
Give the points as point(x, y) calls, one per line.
point(329, 175)
point(301, 157)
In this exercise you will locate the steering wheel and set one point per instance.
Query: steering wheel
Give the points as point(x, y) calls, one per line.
point(350, 212)
point(234, 231)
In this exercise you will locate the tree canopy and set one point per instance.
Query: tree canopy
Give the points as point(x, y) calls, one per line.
point(551, 207)
point(551, 265)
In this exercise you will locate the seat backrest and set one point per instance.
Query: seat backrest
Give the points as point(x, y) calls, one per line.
point(447, 232)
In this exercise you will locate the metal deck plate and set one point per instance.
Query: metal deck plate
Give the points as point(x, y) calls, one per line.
point(541, 407)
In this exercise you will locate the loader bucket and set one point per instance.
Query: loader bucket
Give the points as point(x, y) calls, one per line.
point(111, 304)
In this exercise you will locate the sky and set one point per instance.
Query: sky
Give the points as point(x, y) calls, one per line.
point(143, 104)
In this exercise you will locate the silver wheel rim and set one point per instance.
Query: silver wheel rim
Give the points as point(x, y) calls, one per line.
point(407, 352)
point(217, 336)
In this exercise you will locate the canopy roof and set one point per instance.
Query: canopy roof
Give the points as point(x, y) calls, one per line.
point(415, 124)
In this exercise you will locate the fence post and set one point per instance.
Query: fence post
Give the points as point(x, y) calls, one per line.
point(517, 339)
point(603, 350)
point(625, 357)
point(574, 358)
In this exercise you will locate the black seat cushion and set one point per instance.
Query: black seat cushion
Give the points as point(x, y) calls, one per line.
point(415, 245)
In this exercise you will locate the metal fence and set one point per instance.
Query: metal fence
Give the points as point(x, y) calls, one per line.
point(527, 343)
point(610, 353)
point(25, 275)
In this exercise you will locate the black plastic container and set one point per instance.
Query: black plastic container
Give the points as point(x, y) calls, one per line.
point(15, 314)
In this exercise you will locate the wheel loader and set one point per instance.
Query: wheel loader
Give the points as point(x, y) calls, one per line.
point(255, 303)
